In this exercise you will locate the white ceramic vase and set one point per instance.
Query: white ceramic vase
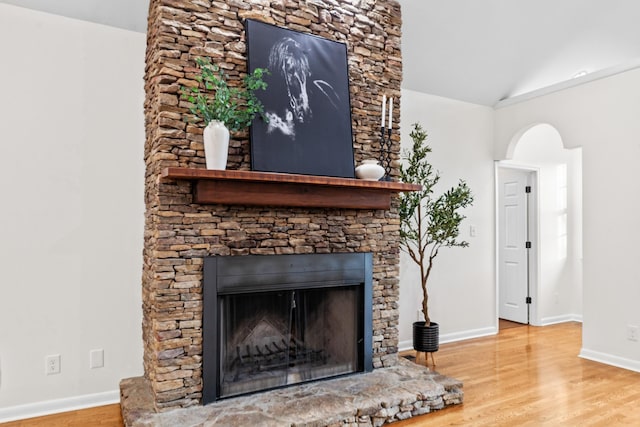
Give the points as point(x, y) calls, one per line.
point(370, 170)
point(216, 145)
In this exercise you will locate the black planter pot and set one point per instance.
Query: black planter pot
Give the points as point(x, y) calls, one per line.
point(426, 338)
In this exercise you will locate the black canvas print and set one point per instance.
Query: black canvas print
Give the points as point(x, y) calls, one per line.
point(306, 102)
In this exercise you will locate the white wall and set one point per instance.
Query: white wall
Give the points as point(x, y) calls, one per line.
point(72, 135)
point(559, 240)
point(602, 118)
point(462, 285)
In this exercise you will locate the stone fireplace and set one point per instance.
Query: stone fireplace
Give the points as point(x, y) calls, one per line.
point(180, 233)
point(201, 224)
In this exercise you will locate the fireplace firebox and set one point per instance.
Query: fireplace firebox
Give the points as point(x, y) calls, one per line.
point(275, 320)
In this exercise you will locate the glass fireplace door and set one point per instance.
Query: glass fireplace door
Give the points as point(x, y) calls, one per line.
point(278, 338)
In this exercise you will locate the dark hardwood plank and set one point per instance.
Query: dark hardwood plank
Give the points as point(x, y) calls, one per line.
point(248, 188)
point(288, 194)
point(239, 175)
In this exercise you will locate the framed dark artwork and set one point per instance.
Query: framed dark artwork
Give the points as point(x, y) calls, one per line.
point(307, 103)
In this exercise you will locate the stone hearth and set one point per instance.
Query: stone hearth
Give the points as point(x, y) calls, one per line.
point(372, 399)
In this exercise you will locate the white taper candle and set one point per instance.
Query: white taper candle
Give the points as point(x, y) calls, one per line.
point(390, 113)
point(384, 106)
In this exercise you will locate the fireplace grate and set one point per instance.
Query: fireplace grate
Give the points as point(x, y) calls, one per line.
point(251, 360)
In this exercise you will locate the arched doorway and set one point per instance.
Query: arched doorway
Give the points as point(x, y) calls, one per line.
point(552, 284)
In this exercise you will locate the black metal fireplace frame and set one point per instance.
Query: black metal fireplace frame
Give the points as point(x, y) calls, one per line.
point(242, 274)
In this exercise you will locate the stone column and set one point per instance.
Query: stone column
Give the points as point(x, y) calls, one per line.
point(179, 233)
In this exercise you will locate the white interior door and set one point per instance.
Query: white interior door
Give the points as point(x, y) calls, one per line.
point(513, 281)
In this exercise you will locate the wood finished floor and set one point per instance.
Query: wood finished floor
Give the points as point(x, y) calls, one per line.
point(525, 376)
point(100, 416)
point(532, 376)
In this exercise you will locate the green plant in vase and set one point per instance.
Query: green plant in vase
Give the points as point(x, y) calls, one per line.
point(223, 108)
point(428, 222)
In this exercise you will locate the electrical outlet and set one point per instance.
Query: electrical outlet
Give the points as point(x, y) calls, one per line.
point(96, 359)
point(52, 364)
point(632, 333)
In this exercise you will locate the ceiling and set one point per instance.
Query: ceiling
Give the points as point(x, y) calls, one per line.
point(479, 51)
point(483, 51)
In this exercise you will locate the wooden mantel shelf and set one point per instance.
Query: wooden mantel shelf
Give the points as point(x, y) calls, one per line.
point(233, 187)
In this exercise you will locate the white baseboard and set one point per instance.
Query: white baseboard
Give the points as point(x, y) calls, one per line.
point(453, 337)
point(609, 359)
point(49, 407)
point(405, 345)
point(467, 335)
point(546, 321)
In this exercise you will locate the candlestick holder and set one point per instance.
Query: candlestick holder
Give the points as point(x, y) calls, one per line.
point(385, 153)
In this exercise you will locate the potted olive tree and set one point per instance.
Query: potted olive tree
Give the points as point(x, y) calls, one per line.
point(229, 109)
point(427, 224)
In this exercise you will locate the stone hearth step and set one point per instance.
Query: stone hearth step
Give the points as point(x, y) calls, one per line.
point(375, 398)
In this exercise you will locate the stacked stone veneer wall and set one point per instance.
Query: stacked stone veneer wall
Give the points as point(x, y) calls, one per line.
point(179, 233)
